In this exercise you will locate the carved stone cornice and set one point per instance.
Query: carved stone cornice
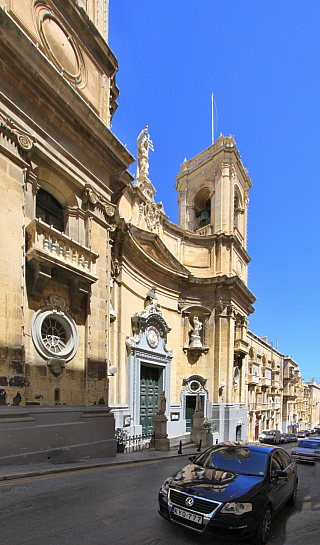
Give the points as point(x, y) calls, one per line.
point(24, 140)
point(96, 202)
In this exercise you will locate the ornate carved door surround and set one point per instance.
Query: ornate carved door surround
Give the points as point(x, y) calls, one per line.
point(147, 348)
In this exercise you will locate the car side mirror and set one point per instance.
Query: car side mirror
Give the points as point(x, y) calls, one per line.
point(279, 474)
point(192, 458)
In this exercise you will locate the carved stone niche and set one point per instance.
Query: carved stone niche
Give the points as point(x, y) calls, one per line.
point(196, 319)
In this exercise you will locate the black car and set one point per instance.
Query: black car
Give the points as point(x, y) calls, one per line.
point(232, 490)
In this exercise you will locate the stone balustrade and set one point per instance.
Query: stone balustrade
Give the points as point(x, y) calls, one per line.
point(59, 247)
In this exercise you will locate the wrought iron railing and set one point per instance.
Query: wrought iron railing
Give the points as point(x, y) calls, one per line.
point(133, 443)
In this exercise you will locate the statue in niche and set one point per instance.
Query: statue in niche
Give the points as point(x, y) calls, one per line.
point(236, 377)
point(195, 335)
point(144, 144)
point(162, 403)
point(198, 407)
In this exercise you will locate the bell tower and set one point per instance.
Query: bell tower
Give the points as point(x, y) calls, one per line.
point(213, 190)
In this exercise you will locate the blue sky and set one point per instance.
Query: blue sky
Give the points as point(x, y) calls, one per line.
point(261, 59)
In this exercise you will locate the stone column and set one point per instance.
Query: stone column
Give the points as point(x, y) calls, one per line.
point(160, 425)
point(198, 432)
point(160, 432)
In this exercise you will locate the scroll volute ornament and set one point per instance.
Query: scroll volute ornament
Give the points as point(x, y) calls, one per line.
point(97, 202)
point(24, 140)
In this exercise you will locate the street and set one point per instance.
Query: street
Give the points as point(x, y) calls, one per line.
point(118, 505)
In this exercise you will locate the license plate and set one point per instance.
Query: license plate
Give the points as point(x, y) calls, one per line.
point(187, 515)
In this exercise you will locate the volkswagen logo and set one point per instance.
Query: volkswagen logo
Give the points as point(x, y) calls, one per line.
point(189, 502)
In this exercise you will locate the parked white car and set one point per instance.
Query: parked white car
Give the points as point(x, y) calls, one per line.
point(270, 436)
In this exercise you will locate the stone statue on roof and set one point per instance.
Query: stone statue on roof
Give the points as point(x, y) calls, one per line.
point(144, 144)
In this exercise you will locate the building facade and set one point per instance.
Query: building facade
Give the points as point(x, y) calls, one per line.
point(95, 276)
point(264, 379)
point(60, 169)
point(180, 296)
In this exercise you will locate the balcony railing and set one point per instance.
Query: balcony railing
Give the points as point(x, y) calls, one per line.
point(48, 249)
point(205, 231)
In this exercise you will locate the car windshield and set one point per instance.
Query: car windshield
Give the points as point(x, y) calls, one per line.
point(240, 460)
point(309, 444)
point(268, 432)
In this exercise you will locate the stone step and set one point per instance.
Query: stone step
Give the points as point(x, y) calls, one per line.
point(186, 443)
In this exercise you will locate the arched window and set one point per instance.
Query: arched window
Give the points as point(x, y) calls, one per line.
point(49, 210)
point(237, 210)
point(202, 208)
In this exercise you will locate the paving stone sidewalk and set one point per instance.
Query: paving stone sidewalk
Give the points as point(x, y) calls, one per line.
point(30, 470)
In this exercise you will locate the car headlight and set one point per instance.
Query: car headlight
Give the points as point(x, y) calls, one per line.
point(236, 508)
point(164, 490)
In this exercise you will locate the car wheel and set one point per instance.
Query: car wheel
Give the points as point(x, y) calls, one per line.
point(293, 498)
point(263, 529)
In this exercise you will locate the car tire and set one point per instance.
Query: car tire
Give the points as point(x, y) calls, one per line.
point(293, 498)
point(263, 529)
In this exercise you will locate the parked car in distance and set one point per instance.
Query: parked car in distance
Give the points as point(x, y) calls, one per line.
point(301, 434)
point(293, 437)
point(307, 450)
point(272, 437)
point(317, 439)
point(285, 438)
point(232, 489)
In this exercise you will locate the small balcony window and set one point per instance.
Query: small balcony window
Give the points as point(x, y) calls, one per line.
point(49, 210)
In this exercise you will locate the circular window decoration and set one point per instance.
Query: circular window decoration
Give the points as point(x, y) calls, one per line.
point(61, 48)
point(54, 334)
point(195, 385)
point(153, 336)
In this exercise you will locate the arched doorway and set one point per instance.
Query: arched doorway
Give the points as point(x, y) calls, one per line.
point(194, 385)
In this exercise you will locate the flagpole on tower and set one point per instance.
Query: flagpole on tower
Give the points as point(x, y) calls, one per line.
point(212, 118)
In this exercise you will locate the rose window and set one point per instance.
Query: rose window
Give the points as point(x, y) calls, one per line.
point(55, 334)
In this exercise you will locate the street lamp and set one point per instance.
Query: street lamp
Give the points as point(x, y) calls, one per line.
point(112, 369)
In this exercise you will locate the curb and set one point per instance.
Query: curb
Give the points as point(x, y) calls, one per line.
point(41, 472)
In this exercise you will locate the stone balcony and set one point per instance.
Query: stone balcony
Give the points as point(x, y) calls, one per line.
point(289, 393)
point(265, 381)
point(253, 379)
point(51, 253)
point(241, 348)
point(205, 231)
point(290, 375)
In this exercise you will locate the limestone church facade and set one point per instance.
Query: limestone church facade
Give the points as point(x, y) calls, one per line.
point(180, 296)
point(94, 276)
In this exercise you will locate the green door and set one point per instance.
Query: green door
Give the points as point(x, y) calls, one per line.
point(149, 395)
point(190, 407)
